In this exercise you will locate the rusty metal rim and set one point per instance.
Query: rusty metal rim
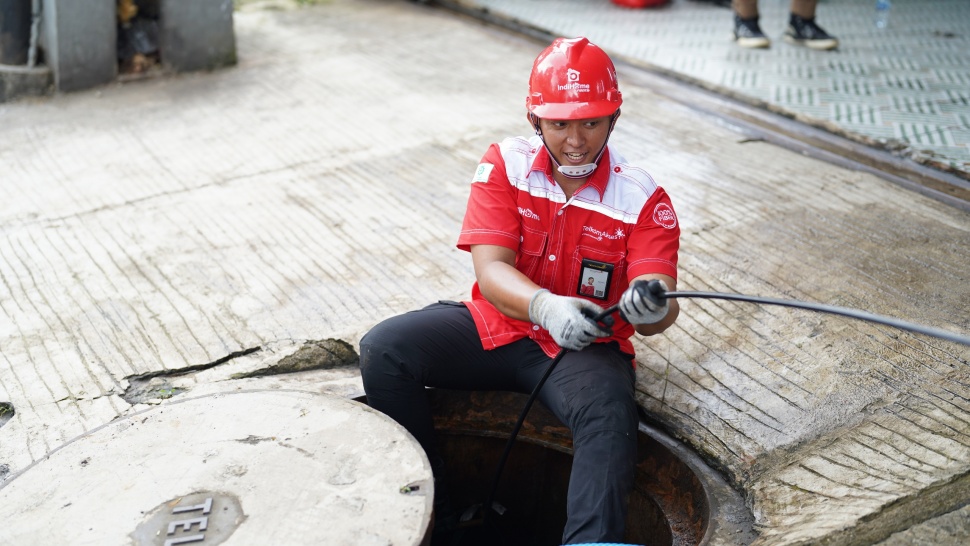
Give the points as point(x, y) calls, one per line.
point(730, 521)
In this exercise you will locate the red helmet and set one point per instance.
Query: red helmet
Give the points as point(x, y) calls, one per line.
point(573, 79)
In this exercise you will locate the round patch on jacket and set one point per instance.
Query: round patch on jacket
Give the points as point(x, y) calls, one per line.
point(664, 215)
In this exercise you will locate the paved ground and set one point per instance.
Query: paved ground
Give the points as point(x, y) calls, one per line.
point(190, 235)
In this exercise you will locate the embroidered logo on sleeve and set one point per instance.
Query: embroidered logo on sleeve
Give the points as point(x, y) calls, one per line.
point(664, 215)
point(481, 174)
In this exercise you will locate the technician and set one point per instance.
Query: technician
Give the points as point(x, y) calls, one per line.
point(545, 214)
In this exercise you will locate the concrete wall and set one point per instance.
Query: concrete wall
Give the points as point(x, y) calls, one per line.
point(80, 42)
point(80, 39)
point(14, 31)
point(196, 34)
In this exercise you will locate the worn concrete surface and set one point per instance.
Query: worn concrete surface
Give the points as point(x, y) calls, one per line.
point(185, 230)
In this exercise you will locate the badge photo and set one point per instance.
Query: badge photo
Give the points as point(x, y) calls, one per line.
point(594, 279)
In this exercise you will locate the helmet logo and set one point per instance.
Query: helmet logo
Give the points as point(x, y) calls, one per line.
point(572, 78)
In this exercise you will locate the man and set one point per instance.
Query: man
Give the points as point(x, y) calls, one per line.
point(543, 214)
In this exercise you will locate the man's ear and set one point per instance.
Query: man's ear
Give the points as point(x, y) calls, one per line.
point(534, 120)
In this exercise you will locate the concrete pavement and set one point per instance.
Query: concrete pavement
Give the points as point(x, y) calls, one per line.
point(179, 233)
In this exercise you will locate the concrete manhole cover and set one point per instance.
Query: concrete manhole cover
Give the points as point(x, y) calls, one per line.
point(260, 467)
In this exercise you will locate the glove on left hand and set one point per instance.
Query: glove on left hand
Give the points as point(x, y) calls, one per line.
point(568, 320)
point(643, 303)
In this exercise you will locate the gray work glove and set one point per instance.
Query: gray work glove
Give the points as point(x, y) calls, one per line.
point(643, 302)
point(564, 317)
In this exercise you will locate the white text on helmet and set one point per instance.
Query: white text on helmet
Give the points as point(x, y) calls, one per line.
point(580, 87)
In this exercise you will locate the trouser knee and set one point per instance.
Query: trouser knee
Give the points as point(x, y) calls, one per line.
point(617, 416)
point(606, 403)
point(378, 354)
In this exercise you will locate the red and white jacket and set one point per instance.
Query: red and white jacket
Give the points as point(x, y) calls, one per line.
point(616, 227)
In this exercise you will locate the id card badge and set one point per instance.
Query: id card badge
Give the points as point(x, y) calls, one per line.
point(594, 279)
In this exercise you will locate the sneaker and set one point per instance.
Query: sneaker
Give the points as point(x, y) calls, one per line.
point(747, 33)
point(805, 32)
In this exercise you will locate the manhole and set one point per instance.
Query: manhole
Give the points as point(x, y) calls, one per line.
point(246, 467)
point(677, 500)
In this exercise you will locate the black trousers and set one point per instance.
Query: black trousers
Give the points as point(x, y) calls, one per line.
point(590, 391)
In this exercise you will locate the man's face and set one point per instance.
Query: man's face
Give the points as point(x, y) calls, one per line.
point(575, 142)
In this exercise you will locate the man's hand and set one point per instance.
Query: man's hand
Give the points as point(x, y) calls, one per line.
point(643, 303)
point(564, 317)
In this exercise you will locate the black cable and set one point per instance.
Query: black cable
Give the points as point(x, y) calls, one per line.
point(487, 507)
point(604, 318)
point(831, 309)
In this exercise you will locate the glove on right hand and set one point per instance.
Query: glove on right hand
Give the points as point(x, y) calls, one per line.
point(563, 317)
point(643, 302)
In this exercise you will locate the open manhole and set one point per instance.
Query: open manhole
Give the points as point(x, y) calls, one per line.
point(677, 500)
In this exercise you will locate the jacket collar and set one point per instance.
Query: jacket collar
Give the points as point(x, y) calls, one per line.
point(598, 180)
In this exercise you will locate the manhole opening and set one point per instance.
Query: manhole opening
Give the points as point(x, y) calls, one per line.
point(669, 504)
point(6, 412)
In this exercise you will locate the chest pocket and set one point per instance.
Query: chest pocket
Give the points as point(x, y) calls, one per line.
point(618, 280)
point(531, 248)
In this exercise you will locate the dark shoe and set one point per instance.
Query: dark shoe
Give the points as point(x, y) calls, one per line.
point(748, 34)
point(805, 32)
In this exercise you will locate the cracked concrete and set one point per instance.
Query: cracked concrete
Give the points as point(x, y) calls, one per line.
point(287, 357)
point(324, 354)
point(7, 412)
point(154, 386)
